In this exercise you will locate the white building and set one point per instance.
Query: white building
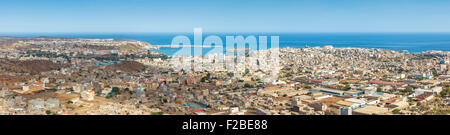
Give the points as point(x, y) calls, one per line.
point(370, 90)
point(434, 90)
point(345, 111)
point(88, 95)
point(234, 109)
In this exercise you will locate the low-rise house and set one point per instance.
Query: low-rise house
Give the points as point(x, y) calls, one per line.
point(370, 110)
point(398, 105)
point(88, 95)
point(320, 96)
point(350, 105)
point(260, 111)
point(106, 91)
point(370, 90)
point(318, 106)
point(36, 104)
point(52, 103)
point(345, 111)
point(329, 91)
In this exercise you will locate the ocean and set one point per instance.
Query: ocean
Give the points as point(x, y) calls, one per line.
point(412, 42)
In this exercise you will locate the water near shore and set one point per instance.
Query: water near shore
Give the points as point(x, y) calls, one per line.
point(412, 42)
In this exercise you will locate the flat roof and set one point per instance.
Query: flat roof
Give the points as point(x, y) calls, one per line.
point(372, 110)
point(330, 90)
point(345, 103)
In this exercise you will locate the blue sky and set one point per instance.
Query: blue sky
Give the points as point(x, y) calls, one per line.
point(225, 15)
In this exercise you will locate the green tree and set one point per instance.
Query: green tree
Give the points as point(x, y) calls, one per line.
point(408, 89)
point(246, 71)
point(48, 112)
point(157, 113)
point(229, 74)
point(116, 90)
point(379, 89)
point(288, 75)
point(208, 75)
point(246, 85)
point(203, 79)
point(307, 87)
point(396, 111)
point(444, 92)
point(347, 87)
point(109, 95)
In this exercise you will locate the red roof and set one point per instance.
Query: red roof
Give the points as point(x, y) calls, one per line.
point(197, 111)
point(386, 83)
point(316, 81)
point(38, 83)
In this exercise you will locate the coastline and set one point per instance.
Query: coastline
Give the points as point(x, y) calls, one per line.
point(411, 42)
point(322, 67)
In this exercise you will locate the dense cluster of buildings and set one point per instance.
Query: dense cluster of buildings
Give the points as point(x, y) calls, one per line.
point(305, 81)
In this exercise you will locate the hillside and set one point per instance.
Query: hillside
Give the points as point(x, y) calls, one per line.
point(127, 66)
point(28, 66)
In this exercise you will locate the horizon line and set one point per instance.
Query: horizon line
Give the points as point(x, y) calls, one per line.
point(203, 32)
